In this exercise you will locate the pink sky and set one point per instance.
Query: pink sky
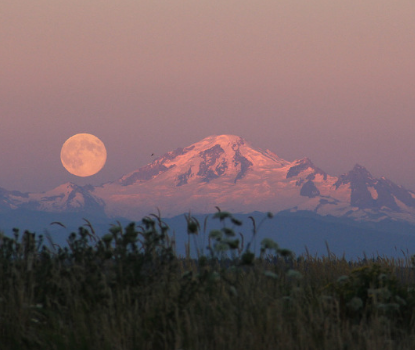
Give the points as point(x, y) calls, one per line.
point(332, 80)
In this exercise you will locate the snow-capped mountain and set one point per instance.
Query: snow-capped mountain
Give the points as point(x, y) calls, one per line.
point(228, 172)
point(64, 198)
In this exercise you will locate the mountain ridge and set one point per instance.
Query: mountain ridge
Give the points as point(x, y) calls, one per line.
point(227, 171)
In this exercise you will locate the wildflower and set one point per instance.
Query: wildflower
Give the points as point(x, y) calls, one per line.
point(268, 243)
point(215, 234)
point(294, 274)
point(355, 304)
point(343, 278)
point(271, 274)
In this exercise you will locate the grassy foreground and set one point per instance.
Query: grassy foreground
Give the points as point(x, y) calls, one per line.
point(129, 290)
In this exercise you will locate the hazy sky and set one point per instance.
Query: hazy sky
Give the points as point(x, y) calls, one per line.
point(333, 80)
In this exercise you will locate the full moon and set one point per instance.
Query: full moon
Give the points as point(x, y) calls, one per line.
point(83, 155)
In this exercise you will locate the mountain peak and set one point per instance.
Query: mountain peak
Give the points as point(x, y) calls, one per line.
point(302, 165)
point(358, 175)
point(211, 168)
point(224, 138)
point(360, 172)
point(213, 157)
point(226, 142)
point(360, 168)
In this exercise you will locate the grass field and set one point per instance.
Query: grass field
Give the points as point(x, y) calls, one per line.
point(129, 290)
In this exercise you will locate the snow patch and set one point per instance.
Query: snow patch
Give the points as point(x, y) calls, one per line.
point(373, 193)
point(78, 201)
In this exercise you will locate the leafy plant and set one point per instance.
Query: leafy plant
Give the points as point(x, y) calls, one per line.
point(128, 289)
